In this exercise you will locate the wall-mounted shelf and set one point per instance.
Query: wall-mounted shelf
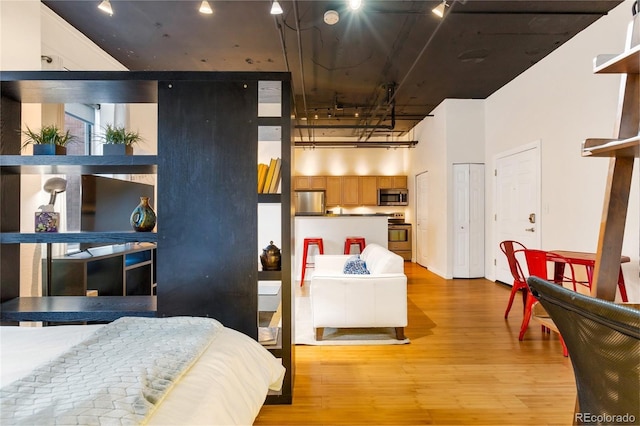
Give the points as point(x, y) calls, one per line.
point(622, 149)
point(611, 147)
point(624, 63)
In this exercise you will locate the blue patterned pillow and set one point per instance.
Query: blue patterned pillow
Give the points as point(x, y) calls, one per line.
point(355, 265)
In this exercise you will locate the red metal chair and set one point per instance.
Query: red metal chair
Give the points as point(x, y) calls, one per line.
point(349, 241)
point(305, 251)
point(508, 247)
point(537, 263)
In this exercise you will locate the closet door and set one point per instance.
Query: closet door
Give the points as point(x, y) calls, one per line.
point(468, 220)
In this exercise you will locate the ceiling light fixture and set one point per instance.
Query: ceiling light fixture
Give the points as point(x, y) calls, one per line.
point(276, 9)
point(205, 8)
point(105, 6)
point(440, 9)
point(355, 4)
point(331, 17)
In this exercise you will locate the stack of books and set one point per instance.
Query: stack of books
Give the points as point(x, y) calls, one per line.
point(269, 177)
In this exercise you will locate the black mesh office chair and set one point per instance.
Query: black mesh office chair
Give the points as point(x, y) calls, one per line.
point(603, 340)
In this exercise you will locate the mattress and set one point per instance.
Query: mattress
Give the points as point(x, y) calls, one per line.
point(227, 385)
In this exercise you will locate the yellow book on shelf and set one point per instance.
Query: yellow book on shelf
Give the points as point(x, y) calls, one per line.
point(272, 169)
point(276, 177)
point(262, 176)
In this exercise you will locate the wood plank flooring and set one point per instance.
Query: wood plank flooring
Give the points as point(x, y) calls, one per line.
point(464, 366)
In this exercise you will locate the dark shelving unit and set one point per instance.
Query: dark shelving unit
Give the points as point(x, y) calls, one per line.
point(206, 263)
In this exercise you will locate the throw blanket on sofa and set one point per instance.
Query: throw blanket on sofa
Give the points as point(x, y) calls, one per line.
point(116, 376)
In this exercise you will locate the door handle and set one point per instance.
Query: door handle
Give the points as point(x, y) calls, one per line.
point(530, 229)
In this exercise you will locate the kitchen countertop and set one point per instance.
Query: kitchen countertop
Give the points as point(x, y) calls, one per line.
point(345, 215)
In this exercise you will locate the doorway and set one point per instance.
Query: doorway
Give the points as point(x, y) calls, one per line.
point(517, 203)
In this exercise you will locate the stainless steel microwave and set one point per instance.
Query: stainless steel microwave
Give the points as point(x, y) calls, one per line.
point(393, 197)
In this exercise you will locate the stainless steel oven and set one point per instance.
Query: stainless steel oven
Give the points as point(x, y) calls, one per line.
point(399, 240)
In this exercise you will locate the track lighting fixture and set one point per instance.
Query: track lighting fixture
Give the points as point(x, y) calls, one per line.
point(440, 9)
point(205, 8)
point(276, 9)
point(105, 6)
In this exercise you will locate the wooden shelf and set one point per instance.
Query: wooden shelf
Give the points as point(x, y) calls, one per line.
point(78, 164)
point(624, 63)
point(77, 308)
point(78, 237)
point(611, 147)
point(269, 198)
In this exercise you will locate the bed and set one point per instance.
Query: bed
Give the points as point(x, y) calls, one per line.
point(206, 373)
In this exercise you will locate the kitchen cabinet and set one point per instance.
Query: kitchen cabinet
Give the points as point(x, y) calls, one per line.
point(309, 182)
point(333, 195)
point(350, 191)
point(392, 182)
point(368, 187)
point(198, 114)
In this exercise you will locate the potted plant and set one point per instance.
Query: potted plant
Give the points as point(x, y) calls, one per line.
point(119, 141)
point(49, 140)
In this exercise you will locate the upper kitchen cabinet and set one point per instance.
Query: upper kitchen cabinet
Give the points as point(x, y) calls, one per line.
point(333, 196)
point(350, 191)
point(392, 182)
point(309, 182)
point(368, 187)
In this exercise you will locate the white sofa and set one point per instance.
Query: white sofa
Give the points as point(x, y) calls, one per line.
point(378, 299)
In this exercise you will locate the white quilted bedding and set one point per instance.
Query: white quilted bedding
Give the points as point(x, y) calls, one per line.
point(227, 384)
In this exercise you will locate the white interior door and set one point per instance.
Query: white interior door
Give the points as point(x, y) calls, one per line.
point(476, 221)
point(422, 218)
point(461, 220)
point(468, 220)
point(517, 189)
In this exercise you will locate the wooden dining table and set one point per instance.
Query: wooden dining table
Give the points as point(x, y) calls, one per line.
point(588, 260)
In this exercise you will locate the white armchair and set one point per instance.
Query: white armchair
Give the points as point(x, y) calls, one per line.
point(377, 299)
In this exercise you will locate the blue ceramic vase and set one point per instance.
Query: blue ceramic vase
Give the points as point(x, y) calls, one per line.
point(143, 218)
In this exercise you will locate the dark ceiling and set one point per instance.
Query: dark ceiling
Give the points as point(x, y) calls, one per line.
point(392, 62)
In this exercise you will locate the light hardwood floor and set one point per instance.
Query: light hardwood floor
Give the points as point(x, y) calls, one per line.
point(464, 366)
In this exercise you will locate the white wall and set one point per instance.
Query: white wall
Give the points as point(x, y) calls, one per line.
point(454, 134)
point(561, 102)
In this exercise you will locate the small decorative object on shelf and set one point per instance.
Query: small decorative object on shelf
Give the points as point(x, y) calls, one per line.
point(270, 258)
point(47, 220)
point(143, 218)
point(119, 141)
point(49, 140)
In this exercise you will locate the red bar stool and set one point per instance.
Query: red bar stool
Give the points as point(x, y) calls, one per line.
point(349, 241)
point(305, 252)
